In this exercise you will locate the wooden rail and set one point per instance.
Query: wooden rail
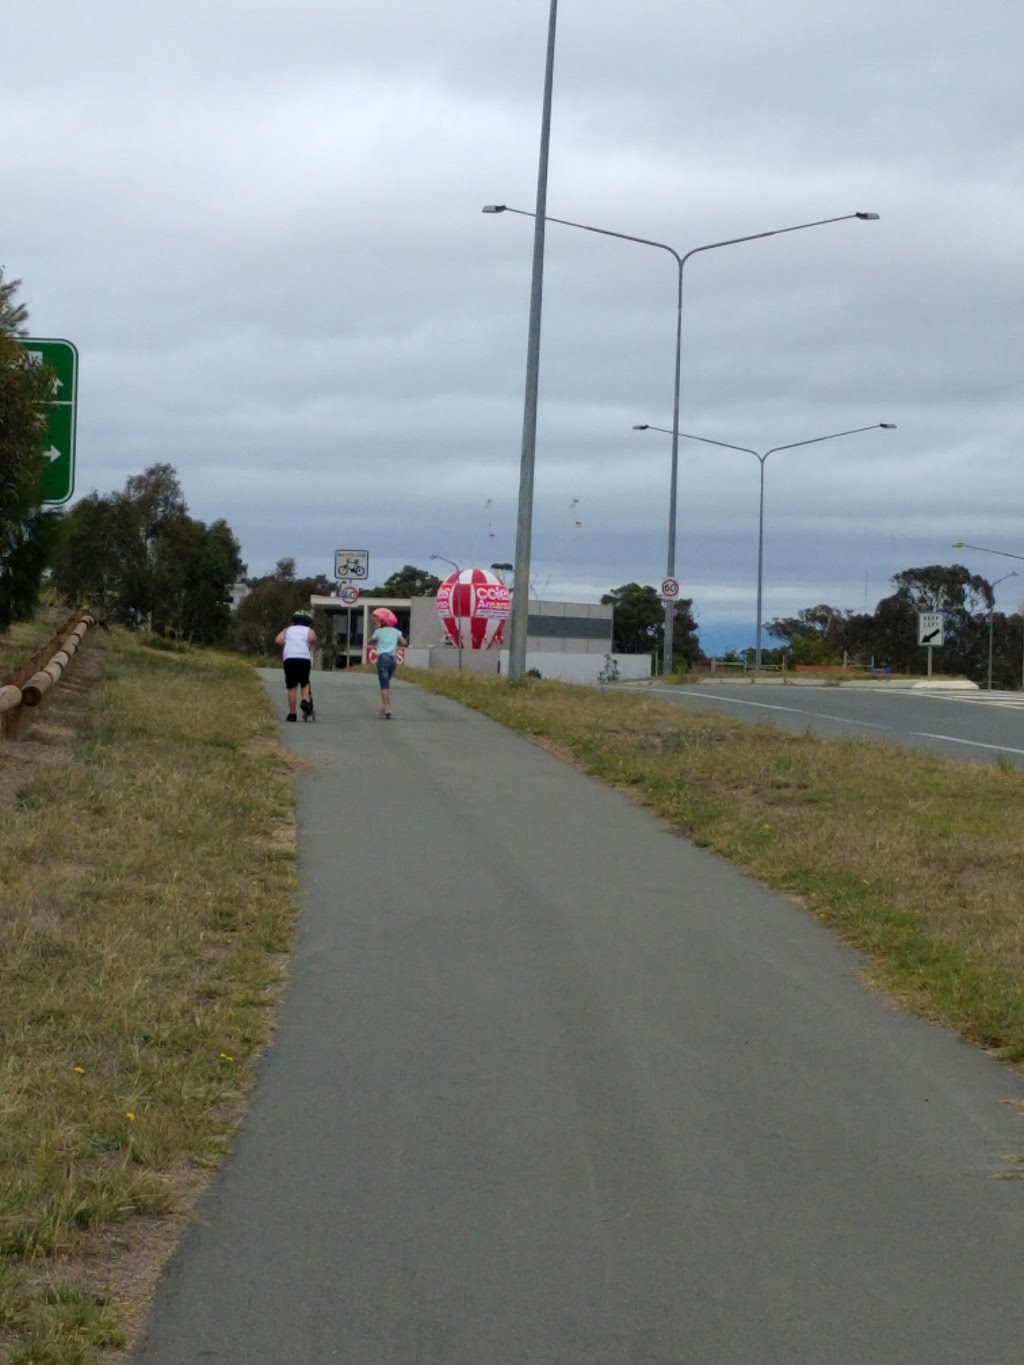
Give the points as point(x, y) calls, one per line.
point(24, 688)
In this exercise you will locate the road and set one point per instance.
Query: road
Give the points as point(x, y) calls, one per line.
point(974, 726)
point(552, 1086)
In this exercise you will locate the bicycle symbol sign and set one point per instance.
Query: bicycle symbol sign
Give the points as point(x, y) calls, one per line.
point(351, 564)
point(670, 589)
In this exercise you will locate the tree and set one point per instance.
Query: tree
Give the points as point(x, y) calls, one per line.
point(813, 636)
point(962, 597)
point(888, 637)
point(638, 623)
point(157, 495)
point(27, 532)
point(13, 315)
point(943, 587)
point(193, 567)
point(270, 604)
point(407, 582)
point(137, 557)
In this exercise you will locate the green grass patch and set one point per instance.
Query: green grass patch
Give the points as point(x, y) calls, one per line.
point(915, 860)
point(150, 890)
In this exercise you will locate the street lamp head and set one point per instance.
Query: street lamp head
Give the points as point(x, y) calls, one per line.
point(642, 427)
point(493, 208)
point(867, 217)
point(887, 426)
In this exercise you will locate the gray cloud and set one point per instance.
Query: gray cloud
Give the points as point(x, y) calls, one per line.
point(261, 225)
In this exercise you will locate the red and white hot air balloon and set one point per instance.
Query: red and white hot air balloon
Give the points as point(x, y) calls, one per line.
point(475, 603)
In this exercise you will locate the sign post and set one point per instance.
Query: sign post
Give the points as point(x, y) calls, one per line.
point(61, 359)
point(930, 632)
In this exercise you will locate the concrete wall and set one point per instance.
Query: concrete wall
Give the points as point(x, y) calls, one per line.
point(571, 667)
point(569, 628)
point(416, 658)
point(556, 665)
point(425, 628)
point(446, 658)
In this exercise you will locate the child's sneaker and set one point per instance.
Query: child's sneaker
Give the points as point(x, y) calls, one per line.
point(291, 716)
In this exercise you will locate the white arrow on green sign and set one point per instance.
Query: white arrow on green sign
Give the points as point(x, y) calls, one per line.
point(61, 359)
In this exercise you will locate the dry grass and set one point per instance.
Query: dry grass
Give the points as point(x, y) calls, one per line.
point(21, 641)
point(149, 895)
point(915, 860)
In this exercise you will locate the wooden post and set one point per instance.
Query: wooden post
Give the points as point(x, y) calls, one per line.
point(24, 688)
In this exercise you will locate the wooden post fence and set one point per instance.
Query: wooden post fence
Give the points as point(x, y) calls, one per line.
point(23, 689)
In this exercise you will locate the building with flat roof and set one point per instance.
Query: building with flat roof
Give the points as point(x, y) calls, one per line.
point(565, 640)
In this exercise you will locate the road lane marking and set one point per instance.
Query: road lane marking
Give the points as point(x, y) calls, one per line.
point(767, 706)
point(1011, 700)
point(974, 743)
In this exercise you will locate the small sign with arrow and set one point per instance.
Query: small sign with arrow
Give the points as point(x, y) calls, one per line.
point(930, 628)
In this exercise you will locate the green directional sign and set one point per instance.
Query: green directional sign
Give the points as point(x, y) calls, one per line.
point(61, 359)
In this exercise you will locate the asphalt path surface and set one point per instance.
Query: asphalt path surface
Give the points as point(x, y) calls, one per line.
point(972, 726)
point(552, 1085)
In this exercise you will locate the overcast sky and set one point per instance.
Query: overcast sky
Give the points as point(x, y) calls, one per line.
point(260, 223)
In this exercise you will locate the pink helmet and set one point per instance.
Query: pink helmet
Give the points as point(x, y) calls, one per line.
point(386, 615)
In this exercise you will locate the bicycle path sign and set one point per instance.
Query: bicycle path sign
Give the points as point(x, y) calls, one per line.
point(61, 359)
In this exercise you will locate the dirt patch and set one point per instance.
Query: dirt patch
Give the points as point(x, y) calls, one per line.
point(124, 1264)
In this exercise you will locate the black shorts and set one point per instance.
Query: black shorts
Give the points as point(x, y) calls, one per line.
point(296, 672)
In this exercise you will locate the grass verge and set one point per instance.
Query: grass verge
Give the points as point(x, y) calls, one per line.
point(21, 640)
point(916, 861)
point(149, 895)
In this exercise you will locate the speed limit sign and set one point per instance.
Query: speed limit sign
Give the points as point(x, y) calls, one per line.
point(670, 589)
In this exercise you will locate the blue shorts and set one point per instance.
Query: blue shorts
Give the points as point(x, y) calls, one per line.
point(386, 665)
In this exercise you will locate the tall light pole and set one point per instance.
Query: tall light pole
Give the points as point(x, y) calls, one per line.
point(962, 545)
point(991, 620)
point(762, 459)
point(458, 614)
point(519, 625)
point(680, 260)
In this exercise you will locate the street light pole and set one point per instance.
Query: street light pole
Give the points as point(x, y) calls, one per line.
point(680, 260)
point(458, 614)
point(991, 620)
point(762, 460)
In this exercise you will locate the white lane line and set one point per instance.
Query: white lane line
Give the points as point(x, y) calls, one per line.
point(767, 706)
point(974, 743)
point(1012, 700)
point(732, 701)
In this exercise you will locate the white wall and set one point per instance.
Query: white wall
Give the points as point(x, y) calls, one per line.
point(581, 668)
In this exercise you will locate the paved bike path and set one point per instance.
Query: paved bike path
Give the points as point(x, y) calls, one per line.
point(551, 1085)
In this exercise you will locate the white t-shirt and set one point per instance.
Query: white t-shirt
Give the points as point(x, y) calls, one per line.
point(296, 643)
